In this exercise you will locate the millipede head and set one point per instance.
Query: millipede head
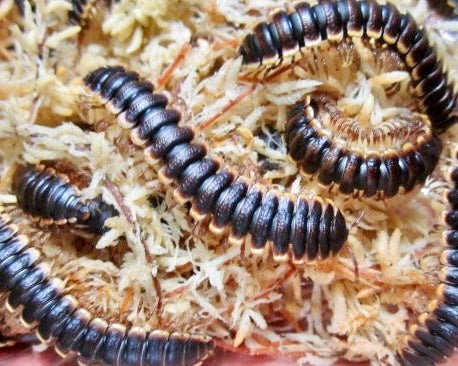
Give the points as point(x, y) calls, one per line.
point(94, 80)
point(18, 175)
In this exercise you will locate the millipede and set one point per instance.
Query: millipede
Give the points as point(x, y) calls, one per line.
point(51, 199)
point(395, 155)
point(301, 228)
point(436, 336)
point(72, 328)
point(309, 25)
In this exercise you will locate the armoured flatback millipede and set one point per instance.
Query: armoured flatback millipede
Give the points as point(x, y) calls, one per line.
point(72, 328)
point(436, 337)
point(400, 154)
point(51, 199)
point(309, 25)
point(312, 145)
point(303, 228)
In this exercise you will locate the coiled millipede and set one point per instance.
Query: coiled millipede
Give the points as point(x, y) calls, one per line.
point(315, 124)
point(51, 199)
point(308, 25)
point(303, 228)
point(436, 337)
point(74, 329)
point(378, 160)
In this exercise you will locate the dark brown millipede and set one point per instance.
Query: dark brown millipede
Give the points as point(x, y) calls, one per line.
point(74, 329)
point(309, 25)
point(396, 155)
point(312, 144)
point(51, 199)
point(301, 228)
point(436, 337)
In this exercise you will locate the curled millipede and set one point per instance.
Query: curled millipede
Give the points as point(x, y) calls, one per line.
point(308, 25)
point(303, 228)
point(81, 11)
point(51, 199)
point(436, 337)
point(73, 329)
point(386, 158)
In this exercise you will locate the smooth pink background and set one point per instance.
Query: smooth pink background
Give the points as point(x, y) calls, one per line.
point(22, 356)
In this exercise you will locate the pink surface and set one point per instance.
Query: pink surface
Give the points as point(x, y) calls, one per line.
point(20, 356)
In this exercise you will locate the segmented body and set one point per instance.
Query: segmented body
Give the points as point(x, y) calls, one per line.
point(372, 161)
point(312, 143)
point(51, 199)
point(73, 329)
point(436, 337)
point(301, 228)
point(309, 25)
